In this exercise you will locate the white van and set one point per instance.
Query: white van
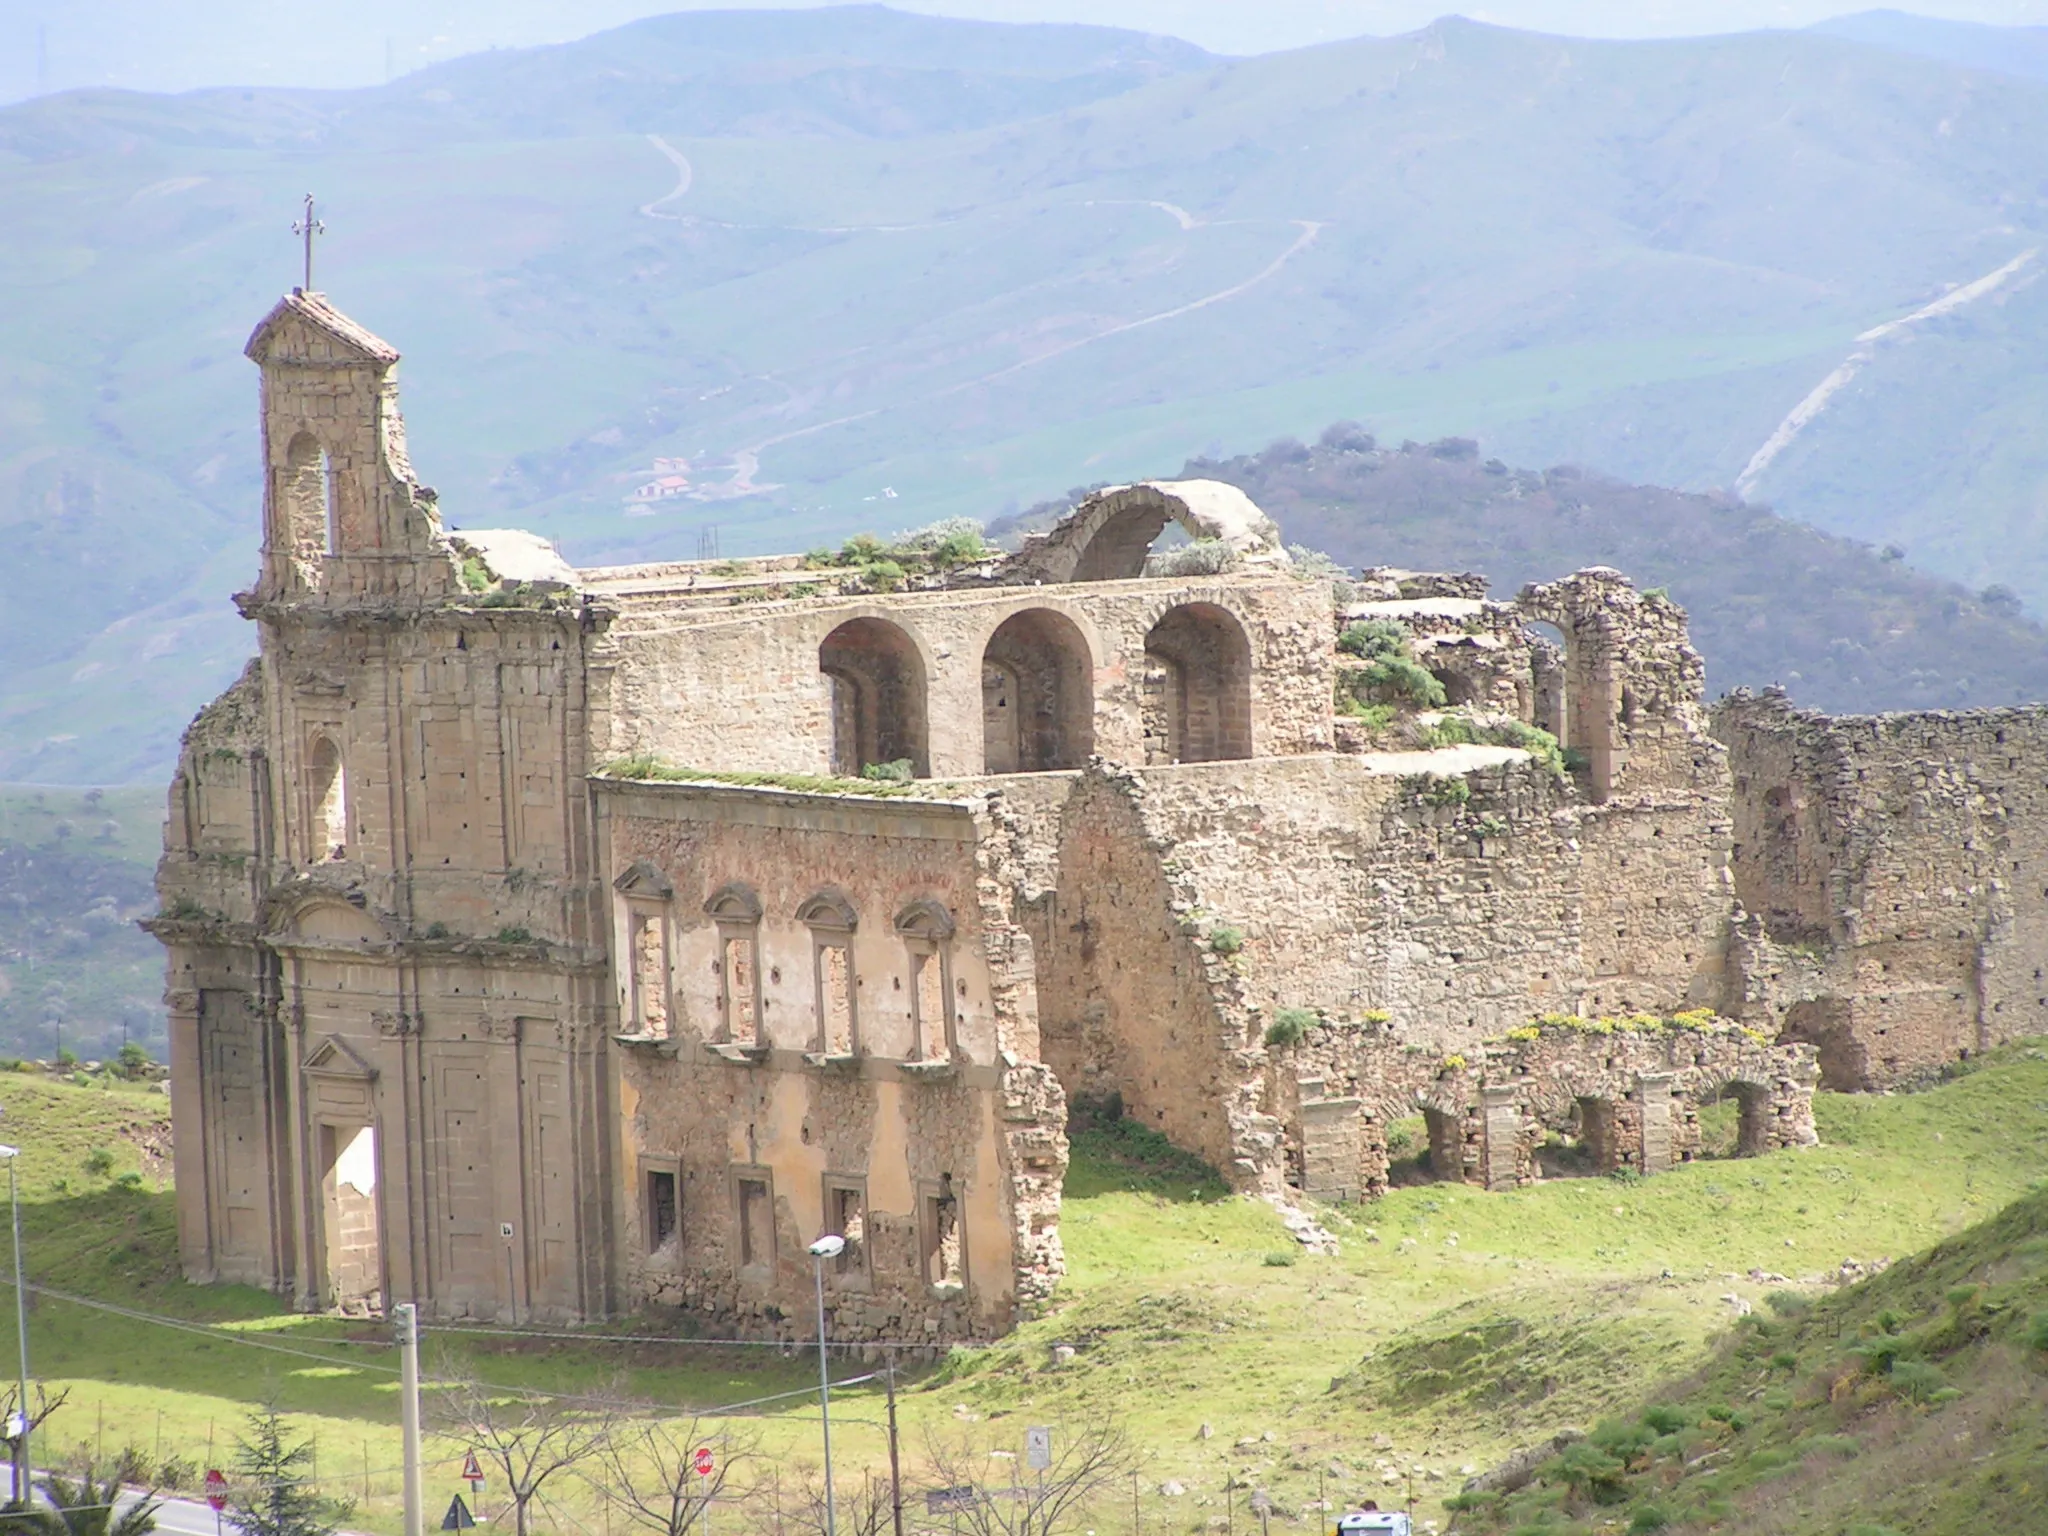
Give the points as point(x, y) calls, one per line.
point(1374, 1522)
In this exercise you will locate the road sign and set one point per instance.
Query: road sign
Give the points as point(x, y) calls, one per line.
point(216, 1489)
point(458, 1517)
point(472, 1471)
point(1038, 1448)
point(703, 1461)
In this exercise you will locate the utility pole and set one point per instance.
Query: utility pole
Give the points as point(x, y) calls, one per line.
point(895, 1467)
point(406, 1324)
point(21, 1458)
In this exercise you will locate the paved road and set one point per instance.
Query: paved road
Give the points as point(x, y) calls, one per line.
point(177, 1517)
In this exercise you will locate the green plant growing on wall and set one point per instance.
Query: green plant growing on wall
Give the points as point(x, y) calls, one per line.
point(1226, 940)
point(1290, 1026)
point(1444, 790)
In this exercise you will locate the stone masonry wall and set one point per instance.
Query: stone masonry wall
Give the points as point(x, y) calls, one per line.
point(1902, 860)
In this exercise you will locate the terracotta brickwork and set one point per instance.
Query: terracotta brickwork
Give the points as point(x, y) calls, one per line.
point(546, 943)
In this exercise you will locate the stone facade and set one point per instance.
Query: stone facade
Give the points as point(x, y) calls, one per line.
point(547, 943)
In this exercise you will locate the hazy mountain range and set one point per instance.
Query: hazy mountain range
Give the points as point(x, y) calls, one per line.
point(182, 45)
point(784, 275)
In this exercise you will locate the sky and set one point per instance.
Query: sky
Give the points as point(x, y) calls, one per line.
point(184, 44)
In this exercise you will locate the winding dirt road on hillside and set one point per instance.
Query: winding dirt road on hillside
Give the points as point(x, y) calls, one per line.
point(746, 461)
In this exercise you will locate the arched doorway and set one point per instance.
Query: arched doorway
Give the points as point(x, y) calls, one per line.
point(1198, 687)
point(1037, 695)
point(1734, 1121)
point(878, 697)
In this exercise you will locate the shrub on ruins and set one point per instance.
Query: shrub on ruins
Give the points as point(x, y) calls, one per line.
point(1400, 678)
point(1202, 557)
point(898, 771)
point(1226, 940)
point(1371, 639)
point(1290, 1026)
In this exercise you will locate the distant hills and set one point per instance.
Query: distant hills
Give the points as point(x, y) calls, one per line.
point(2008, 50)
point(1842, 626)
point(751, 283)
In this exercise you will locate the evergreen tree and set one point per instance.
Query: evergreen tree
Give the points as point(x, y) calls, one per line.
point(271, 1494)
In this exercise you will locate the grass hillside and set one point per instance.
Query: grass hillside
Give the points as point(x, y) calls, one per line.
point(2012, 50)
point(1914, 1402)
point(1453, 1327)
point(77, 868)
point(927, 269)
point(1844, 626)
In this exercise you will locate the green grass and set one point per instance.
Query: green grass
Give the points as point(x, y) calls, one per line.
point(1453, 1325)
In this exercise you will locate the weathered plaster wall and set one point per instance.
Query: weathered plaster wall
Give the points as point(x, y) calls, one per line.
point(903, 1121)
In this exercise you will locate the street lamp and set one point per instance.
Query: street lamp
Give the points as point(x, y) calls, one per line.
point(19, 1427)
point(829, 1246)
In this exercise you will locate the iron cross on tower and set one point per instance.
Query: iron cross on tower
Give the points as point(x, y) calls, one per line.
point(308, 227)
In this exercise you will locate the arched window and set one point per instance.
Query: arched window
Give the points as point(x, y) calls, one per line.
point(736, 913)
point(878, 697)
point(312, 514)
point(327, 791)
point(831, 919)
point(1037, 695)
point(927, 932)
point(1552, 706)
point(1198, 687)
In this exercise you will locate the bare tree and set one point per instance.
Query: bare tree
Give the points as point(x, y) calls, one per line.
point(34, 1414)
point(1086, 1463)
point(528, 1437)
point(861, 1509)
point(647, 1470)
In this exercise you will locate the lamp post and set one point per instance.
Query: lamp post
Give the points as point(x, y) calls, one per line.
point(828, 1247)
point(13, 1156)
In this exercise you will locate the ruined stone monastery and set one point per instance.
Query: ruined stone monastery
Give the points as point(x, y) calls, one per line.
point(538, 949)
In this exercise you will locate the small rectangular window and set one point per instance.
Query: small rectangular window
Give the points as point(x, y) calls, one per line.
point(661, 1208)
point(835, 999)
point(742, 988)
point(931, 1038)
point(650, 974)
point(846, 1213)
point(757, 1223)
point(940, 1236)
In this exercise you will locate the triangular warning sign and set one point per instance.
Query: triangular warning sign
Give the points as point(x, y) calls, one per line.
point(458, 1517)
point(472, 1470)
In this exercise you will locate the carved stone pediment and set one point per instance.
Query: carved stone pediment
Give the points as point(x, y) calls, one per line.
point(645, 881)
point(334, 1057)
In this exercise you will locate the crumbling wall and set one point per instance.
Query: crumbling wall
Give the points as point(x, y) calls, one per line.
point(1897, 867)
point(1135, 1002)
point(737, 686)
point(909, 1111)
point(1441, 887)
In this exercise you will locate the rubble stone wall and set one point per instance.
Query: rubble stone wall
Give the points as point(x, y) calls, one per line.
point(1896, 870)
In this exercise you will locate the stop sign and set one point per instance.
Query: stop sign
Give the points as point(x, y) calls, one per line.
point(703, 1461)
point(216, 1489)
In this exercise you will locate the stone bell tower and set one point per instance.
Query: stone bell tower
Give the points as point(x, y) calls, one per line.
point(343, 516)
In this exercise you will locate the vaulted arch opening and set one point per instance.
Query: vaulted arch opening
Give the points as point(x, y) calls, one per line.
point(878, 698)
point(1198, 687)
point(1735, 1121)
point(311, 516)
point(1037, 695)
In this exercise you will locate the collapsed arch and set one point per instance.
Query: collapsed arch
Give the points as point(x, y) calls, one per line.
point(878, 697)
point(1108, 535)
point(1037, 694)
point(1198, 686)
